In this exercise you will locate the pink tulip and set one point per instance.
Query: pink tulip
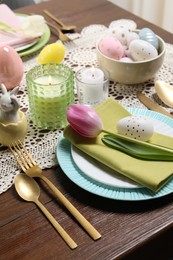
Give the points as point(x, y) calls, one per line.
point(87, 122)
point(84, 120)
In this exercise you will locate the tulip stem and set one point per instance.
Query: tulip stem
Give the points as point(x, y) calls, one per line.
point(107, 132)
point(136, 141)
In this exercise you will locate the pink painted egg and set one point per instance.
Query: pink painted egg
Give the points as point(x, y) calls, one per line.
point(111, 47)
point(11, 67)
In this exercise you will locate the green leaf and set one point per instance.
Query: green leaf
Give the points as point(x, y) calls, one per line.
point(138, 150)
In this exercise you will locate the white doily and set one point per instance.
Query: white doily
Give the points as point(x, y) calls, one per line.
point(80, 53)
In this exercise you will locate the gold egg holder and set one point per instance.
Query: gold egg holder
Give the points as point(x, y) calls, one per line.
point(13, 132)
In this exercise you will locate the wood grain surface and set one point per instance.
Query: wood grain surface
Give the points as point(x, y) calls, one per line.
point(130, 230)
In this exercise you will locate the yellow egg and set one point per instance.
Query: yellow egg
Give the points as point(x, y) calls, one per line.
point(52, 53)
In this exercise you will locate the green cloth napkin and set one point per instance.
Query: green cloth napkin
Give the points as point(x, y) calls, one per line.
point(151, 174)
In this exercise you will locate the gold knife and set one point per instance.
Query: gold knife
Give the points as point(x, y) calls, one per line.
point(151, 104)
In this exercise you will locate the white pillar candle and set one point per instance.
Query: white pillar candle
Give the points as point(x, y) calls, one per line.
point(92, 79)
point(92, 76)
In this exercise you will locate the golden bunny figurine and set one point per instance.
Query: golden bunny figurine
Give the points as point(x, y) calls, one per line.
point(13, 123)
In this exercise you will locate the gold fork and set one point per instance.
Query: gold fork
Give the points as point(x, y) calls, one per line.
point(62, 36)
point(30, 167)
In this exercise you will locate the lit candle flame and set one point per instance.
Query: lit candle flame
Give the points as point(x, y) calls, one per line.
point(50, 80)
point(93, 71)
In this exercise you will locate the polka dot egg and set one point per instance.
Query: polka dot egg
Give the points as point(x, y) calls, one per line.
point(111, 47)
point(137, 127)
point(142, 50)
point(52, 53)
point(120, 34)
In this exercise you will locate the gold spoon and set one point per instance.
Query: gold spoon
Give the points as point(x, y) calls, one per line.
point(165, 92)
point(63, 26)
point(28, 189)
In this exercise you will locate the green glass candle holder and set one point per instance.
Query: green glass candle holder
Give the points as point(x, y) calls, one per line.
point(50, 92)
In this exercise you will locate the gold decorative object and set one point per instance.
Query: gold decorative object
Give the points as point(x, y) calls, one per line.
point(12, 132)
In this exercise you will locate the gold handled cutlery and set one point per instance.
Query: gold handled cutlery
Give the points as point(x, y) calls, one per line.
point(28, 189)
point(151, 104)
point(29, 166)
point(62, 36)
point(64, 27)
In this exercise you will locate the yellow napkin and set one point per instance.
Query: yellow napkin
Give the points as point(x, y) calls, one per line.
point(151, 174)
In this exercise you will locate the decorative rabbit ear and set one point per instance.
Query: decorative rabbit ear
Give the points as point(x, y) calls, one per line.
point(14, 91)
point(3, 89)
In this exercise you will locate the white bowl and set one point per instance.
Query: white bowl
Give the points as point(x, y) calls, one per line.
point(132, 72)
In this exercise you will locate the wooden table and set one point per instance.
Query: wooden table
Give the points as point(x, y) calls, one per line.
point(130, 230)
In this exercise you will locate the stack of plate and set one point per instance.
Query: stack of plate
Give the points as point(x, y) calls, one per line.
point(96, 178)
point(36, 44)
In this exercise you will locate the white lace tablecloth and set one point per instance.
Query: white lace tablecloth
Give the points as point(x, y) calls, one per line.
point(80, 53)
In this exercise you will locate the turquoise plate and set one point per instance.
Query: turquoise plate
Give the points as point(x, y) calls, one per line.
point(67, 164)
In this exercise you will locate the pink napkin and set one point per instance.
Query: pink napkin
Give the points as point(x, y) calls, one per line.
point(14, 39)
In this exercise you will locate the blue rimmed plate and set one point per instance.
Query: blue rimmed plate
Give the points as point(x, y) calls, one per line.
point(162, 124)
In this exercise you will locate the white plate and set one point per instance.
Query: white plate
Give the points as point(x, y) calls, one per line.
point(103, 174)
point(100, 172)
point(26, 46)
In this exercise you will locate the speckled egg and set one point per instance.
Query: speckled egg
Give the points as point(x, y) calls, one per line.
point(141, 50)
point(111, 47)
point(130, 37)
point(137, 127)
point(148, 35)
point(120, 34)
point(11, 67)
point(123, 23)
point(52, 53)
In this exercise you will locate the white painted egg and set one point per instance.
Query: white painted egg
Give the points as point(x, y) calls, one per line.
point(123, 23)
point(126, 59)
point(121, 34)
point(137, 127)
point(131, 36)
point(141, 50)
point(127, 54)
